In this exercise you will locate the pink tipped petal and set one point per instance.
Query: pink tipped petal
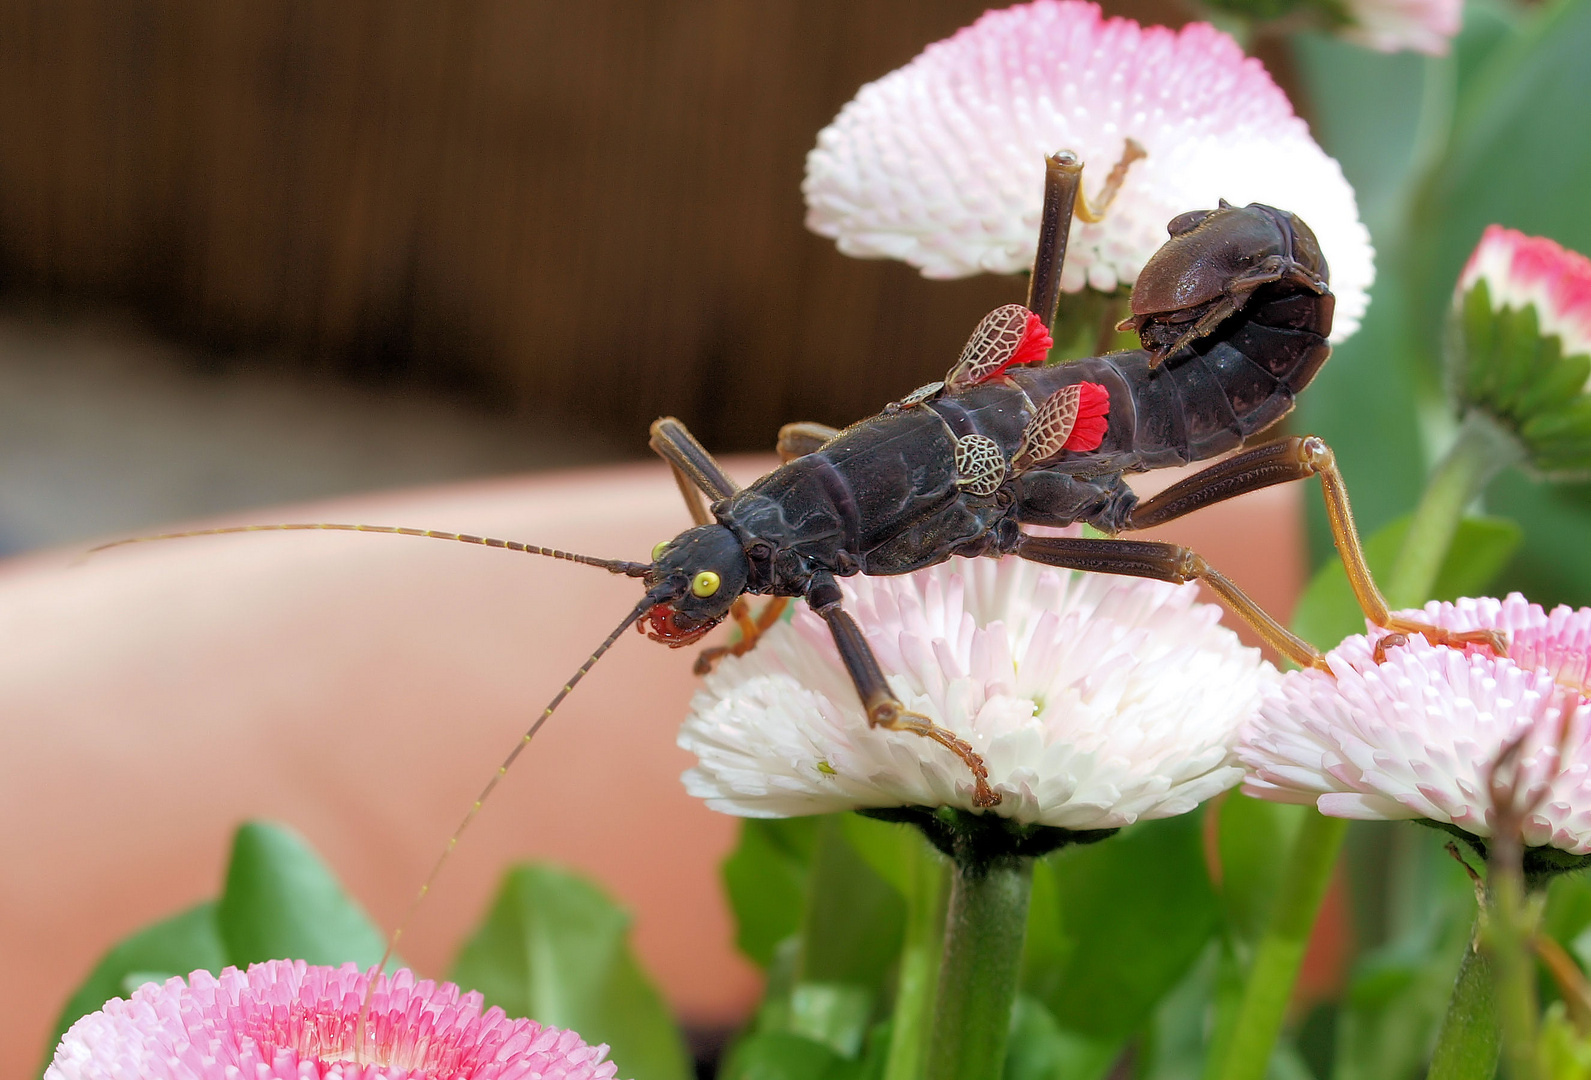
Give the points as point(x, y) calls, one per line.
point(1523, 271)
point(287, 1020)
point(941, 163)
point(1423, 728)
point(1095, 701)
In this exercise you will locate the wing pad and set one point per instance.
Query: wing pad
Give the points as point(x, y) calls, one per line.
point(1005, 337)
point(1075, 417)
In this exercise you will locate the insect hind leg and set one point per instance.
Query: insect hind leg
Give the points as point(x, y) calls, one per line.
point(1298, 458)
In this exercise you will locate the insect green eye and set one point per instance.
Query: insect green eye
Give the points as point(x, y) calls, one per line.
point(657, 552)
point(705, 583)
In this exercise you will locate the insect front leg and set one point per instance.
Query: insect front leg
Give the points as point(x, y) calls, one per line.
point(883, 708)
point(1298, 458)
point(695, 471)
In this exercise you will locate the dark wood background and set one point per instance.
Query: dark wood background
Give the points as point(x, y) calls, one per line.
point(586, 208)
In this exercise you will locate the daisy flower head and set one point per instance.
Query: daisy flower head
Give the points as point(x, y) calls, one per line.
point(941, 163)
point(1094, 700)
point(1521, 351)
point(1426, 26)
point(287, 1020)
point(1417, 735)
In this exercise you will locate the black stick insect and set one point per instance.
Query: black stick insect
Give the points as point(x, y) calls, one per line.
point(1233, 313)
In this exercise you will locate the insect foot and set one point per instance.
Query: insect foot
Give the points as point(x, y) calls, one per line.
point(893, 715)
point(1495, 640)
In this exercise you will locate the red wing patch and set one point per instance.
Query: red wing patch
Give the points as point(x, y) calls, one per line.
point(1072, 418)
point(1005, 337)
point(1093, 418)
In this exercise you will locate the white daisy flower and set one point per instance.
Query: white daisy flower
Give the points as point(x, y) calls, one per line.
point(1417, 735)
point(941, 163)
point(1094, 700)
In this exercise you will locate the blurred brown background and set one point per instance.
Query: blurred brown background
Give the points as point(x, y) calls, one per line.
point(583, 211)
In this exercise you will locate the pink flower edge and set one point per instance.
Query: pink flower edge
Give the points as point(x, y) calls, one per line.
point(1524, 271)
point(1416, 736)
point(288, 1020)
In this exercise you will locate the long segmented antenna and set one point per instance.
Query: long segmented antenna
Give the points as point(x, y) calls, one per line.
point(655, 596)
point(615, 566)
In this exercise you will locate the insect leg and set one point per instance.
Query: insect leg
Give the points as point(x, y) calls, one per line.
point(884, 709)
point(1161, 561)
point(1132, 151)
point(750, 631)
point(800, 439)
point(1063, 189)
point(1298, 458)
point(695, 471)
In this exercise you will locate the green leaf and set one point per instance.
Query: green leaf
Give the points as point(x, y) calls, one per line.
point(281, 901)
point(1511, 159)
point(1549, 567)
point(1254, 839)
point(779, 1055)
point(555, 948)
point(890, 848)
point(1040, 1049)
point(766, 880)
point(1134, 914)
point(1482, 547)
point(834, 1014)
point(176, 946)
point(852, 929)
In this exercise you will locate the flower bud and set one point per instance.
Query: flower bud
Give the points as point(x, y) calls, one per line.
point(1521, 346)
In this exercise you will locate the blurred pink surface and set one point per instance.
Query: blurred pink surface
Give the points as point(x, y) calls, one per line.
point(362, 689)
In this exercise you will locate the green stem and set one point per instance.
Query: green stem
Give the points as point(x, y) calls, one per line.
point(978, 974)
point(1479, 452)
point(912, 1020)
point(1467, 1044)
point(1269, 985)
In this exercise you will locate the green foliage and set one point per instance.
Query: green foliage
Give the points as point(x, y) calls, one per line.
point(555, 948)
point(766, 879)
point(282, 902)
point(1114, 925)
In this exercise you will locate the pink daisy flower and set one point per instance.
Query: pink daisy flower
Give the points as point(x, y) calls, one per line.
point(1094, 700)
point(1417, 735)
point(1426, 26)
point(1531, 271)
point(941, 163)
point(286, 1019)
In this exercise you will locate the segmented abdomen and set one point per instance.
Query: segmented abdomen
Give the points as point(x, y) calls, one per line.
point(1208, 398)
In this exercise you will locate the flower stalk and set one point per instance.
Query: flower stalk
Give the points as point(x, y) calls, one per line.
point(1480, 452)
point(1466, 1044)
point(984, 930)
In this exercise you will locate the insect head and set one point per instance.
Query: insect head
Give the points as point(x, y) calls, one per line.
point(702, 571)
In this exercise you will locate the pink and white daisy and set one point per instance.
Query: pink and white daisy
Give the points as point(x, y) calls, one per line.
point(941, 163)
point(287, 1020)
point(1426, 26)
point(1417, 735)
point(1095, 701)
point(1531, 271)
